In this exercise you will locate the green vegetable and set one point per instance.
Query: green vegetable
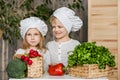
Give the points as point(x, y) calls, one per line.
point(16, 68)
point(90, 53)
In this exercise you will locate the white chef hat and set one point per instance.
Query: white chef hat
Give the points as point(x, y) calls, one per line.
point(67, 17)
point(33, 22)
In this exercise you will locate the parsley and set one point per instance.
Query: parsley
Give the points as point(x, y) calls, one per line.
point(90, 53)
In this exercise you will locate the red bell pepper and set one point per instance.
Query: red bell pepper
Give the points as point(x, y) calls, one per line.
point(56, 70)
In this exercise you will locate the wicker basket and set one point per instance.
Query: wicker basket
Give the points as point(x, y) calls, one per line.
point(17, 56)
point(35, 70)
point(88, 71)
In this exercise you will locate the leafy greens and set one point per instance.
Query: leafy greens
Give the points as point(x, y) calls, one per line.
point(90, 53)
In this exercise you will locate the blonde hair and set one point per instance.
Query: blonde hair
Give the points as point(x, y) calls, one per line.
point(52, 19)
point(40, 46)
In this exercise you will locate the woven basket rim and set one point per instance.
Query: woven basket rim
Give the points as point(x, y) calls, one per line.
point(88, 71)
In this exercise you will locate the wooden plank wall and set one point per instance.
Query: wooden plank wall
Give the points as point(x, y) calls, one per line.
point(103, 27)
point(118, 39)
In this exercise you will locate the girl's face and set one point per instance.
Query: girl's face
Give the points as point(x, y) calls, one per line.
point(59, 31)
point(33, 37)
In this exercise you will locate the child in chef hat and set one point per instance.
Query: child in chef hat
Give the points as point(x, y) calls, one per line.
point(33, 30)
point(63, 21)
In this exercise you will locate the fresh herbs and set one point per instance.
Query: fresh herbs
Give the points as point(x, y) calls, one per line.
point(90, 53)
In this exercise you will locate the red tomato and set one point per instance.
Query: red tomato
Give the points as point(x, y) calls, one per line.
point(31, 55)
point(32, 51)
point(35, 53)
point(30, 62)
point(26, 59)
point(22, 57)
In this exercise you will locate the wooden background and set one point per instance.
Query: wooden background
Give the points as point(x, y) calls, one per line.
point(104, 28)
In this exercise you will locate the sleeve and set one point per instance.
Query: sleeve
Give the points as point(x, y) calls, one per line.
point(47, 60)
point(20, 51)
point(77, 42)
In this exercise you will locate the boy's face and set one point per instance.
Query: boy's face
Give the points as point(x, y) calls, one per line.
point(33, 37)
point(59, 31)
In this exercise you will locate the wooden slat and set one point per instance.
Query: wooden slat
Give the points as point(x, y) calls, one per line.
point(89, 20)
point(103, 2)
point(119, 39)
point(104, 11)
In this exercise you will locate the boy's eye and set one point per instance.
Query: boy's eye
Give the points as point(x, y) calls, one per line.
point(60, 26)
point(53, 26)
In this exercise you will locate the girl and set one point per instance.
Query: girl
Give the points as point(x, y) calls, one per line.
point(33, 30)
point(63, 22)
